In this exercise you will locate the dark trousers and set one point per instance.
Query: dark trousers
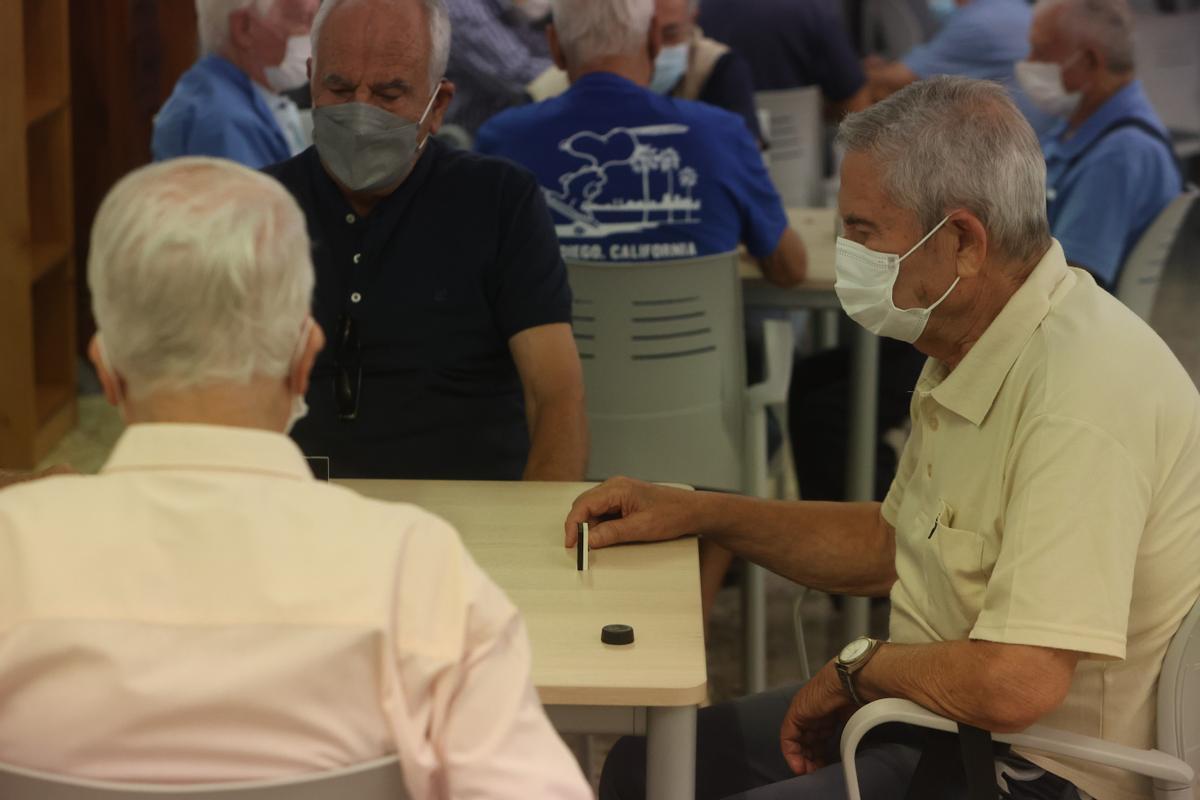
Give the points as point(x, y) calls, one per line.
point(738, 758)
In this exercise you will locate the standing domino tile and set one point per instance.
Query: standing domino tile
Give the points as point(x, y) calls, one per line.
point(582, 548)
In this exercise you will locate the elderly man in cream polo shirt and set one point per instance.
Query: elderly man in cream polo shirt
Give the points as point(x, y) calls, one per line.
point(1041, 542)
point(204, 610)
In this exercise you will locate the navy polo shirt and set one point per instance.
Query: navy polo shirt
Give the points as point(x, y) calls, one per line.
point(788, 43)
point(439, 276)
point(632, 175)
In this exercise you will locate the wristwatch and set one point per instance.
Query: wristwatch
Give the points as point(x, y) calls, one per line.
point(854, 657)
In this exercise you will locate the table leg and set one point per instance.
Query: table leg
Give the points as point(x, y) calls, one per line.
point(754, 626)
point(860, 477)
point(671, 753)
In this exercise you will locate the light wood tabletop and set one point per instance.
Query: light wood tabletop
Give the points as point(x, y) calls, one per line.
point(514, 531)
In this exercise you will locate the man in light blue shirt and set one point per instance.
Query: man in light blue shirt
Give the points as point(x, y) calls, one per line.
point(978, 39)
point(229, 103)
point(1110, 165)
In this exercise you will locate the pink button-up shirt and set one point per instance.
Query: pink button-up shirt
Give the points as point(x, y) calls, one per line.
point(204, 610)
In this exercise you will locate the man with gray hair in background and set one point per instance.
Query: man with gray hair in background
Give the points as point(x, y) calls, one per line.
point(1039, 543)
point(204, 610)
point(1110, 163)
point(438, 272)
point(230, 103)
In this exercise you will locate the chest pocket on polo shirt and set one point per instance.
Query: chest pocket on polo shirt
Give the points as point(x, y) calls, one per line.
point(955, 578)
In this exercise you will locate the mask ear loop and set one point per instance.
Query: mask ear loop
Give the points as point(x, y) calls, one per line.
point(917, 246)
point(425, 114)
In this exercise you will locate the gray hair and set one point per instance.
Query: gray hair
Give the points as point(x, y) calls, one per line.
point(200, 274)
point(592, 29)
point(439, 33)
point(949, 143)
point(1106, 25)
point(212, 20)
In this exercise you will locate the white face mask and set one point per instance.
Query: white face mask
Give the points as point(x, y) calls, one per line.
point(1042, 81)
point(670, 67)
point(865, 279)
point(299, 405)
point(292, 72)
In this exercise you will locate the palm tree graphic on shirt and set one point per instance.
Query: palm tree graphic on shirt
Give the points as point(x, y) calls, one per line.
point(595, 201)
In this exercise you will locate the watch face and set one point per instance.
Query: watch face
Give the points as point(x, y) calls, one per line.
point(854, 651)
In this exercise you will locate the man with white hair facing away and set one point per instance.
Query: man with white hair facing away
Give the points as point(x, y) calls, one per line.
point(1110, 163)
point(230, 103)
point(1039, 543)
point(204, 610)
point(438, 273)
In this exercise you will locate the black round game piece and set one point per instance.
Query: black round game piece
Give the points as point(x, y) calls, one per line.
point(617, 634)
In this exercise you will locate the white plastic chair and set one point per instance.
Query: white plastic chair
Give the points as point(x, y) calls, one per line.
point(380, 779)
point(663, 353)
point(795, 131)
point(1141, 275)
point(1172, 765)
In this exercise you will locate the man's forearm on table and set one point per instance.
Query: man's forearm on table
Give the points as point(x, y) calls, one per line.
point(844, 548)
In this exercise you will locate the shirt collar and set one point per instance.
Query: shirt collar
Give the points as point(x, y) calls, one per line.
point(1129, 101)
point(971, 388)
point(606, 80)
point(163, 446)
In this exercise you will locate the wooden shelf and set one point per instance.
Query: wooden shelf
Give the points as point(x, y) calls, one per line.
point(46, 45)
point(39, 107)
point(47, 256)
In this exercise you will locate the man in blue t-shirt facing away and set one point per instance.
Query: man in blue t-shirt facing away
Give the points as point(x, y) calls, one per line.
point(632, 175)
point(978, 39)
point(1110, 164)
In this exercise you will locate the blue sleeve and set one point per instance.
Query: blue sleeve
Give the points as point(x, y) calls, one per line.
point(223, 137)
point(763, 217)
point(955, 50)
point(1093, 224)
point(487, 138)
point(529, 284)
point(731, 87)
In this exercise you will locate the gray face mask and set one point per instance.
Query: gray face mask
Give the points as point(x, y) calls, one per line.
point(366, 148)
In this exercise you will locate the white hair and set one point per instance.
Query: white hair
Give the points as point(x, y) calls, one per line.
point(950, 143)
point(1106, 25)
point(212, 20)
point(592, 29)
point(200, 274)
point(439, 33)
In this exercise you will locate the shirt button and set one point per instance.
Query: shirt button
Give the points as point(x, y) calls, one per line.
point(929, 469)
point(357, 257)
point(933, 423)
point(350, 219)
point(355, 297)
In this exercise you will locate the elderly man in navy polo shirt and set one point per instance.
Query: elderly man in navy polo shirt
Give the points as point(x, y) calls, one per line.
point(1110, 164)
point(439, 279)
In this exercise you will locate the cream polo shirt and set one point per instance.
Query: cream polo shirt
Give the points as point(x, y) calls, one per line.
point(204, 610)
point(1050, 495)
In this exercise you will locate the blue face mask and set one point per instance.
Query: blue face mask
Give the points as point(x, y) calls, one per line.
point(669, 68)
point(942, 9)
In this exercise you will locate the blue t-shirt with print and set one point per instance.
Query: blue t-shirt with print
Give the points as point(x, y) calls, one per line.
point(631, 175)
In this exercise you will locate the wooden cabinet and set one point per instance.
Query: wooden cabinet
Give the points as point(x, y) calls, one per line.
point(37, 269)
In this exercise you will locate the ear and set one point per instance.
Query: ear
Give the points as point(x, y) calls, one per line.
point(113, 385)
point(971, 246)
point(241, 30)
point(437, 114)
point(556, 52)
point(302, 369)
point(656, 42)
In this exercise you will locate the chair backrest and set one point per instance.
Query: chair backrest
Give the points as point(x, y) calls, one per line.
point(1141, 275)
point(1179, 693)
point(375, 780)
point(795, 131)
point(664, 367)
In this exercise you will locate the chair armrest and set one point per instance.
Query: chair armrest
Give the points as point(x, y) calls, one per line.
point(1168, 771)
point(779, 346)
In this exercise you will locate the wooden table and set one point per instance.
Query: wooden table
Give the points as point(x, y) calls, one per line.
point(652, 687)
